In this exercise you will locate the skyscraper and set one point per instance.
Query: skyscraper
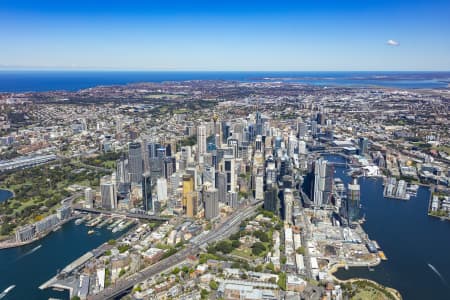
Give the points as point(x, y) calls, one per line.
point(210, 201)
point(270, 198)
point(351, 204)
point(288, 204)
point(221, 184)
point(259, 124)
point(161, 189)
point(363, 145)
point(147, 200)
point(313, 128)
point(108, 194)
point(201, 140)
point(135, 162)
point(229, 168)
point(320, 182)
point(188, 187)
point(259, 187)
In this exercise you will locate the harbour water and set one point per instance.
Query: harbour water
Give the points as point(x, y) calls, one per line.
point(5, 195)
point(29, 266)
point(417, 246)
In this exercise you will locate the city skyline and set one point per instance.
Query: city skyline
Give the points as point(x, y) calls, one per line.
point(202, 36)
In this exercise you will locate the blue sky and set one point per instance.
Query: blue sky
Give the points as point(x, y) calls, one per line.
point(226, 35)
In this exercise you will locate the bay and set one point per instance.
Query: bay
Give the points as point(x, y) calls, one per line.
point(31, 265)
point(410, 238)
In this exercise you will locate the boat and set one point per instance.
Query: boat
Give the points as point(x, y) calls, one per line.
point(91, 232)
point(79, 221)
point(376, 244)
point(382, 255)
point(6, 291)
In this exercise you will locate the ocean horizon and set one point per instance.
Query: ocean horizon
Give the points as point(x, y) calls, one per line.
point(15, 81)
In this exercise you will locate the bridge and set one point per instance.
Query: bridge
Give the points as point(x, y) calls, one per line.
point(111, 213)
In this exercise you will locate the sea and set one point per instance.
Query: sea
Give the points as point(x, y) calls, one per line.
point(417, 246)
point(50, 80)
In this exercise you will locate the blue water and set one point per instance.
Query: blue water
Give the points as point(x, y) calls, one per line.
point(22, 81)
point(411, 240)
point(28, 267)
point(5, 195)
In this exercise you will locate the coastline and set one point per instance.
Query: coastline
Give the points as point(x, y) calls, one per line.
point(13, 194)
point(396, 294)
point(7, 245)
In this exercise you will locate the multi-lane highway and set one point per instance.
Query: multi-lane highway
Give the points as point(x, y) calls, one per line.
point(222, 231)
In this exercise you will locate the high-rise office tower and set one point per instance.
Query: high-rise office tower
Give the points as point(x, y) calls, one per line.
point(161, 189)
point(210, 201)
point(201, 140)
point(234, 144)
point(122, 169)
point(288, 204)
point(302, 129)
point(152, 149)
point(259, 188)
point(323, 182)
point(188, 188)
point(147, 200)
point(259, 143)
point(302, 148)
point(351, 205)
point(209, 175)
point(89, 196)
point(363, 145)
point(217, 131)
point(135, 165)
point(169, 166)
point(226, 130)
point(278, 141)
point(259, 124)
point(229, 169)
point(221, 184)
point(292, 145)
point(319, 180)
point(270, 198)
point(108, 194)
point(284, 166)
point(191, 204)
point(314, 128)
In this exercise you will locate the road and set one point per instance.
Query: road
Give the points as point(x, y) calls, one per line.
point(225, 229)
point(128, 215)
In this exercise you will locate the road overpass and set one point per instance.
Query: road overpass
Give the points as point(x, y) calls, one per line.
point(124, 214)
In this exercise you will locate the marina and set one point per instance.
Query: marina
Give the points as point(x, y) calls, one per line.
point(394, 189)
point(30, 265)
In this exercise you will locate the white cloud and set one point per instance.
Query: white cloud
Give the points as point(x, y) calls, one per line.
point(392, 43)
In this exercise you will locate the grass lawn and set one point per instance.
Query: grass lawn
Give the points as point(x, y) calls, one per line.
point(369, 293)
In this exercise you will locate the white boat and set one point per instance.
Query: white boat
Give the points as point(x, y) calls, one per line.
point(6, 291)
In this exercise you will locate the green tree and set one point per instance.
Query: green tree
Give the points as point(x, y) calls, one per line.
point(282, 281)
point(213, 285)
point(258, 248)
point(301, 250)
point(224, 246)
